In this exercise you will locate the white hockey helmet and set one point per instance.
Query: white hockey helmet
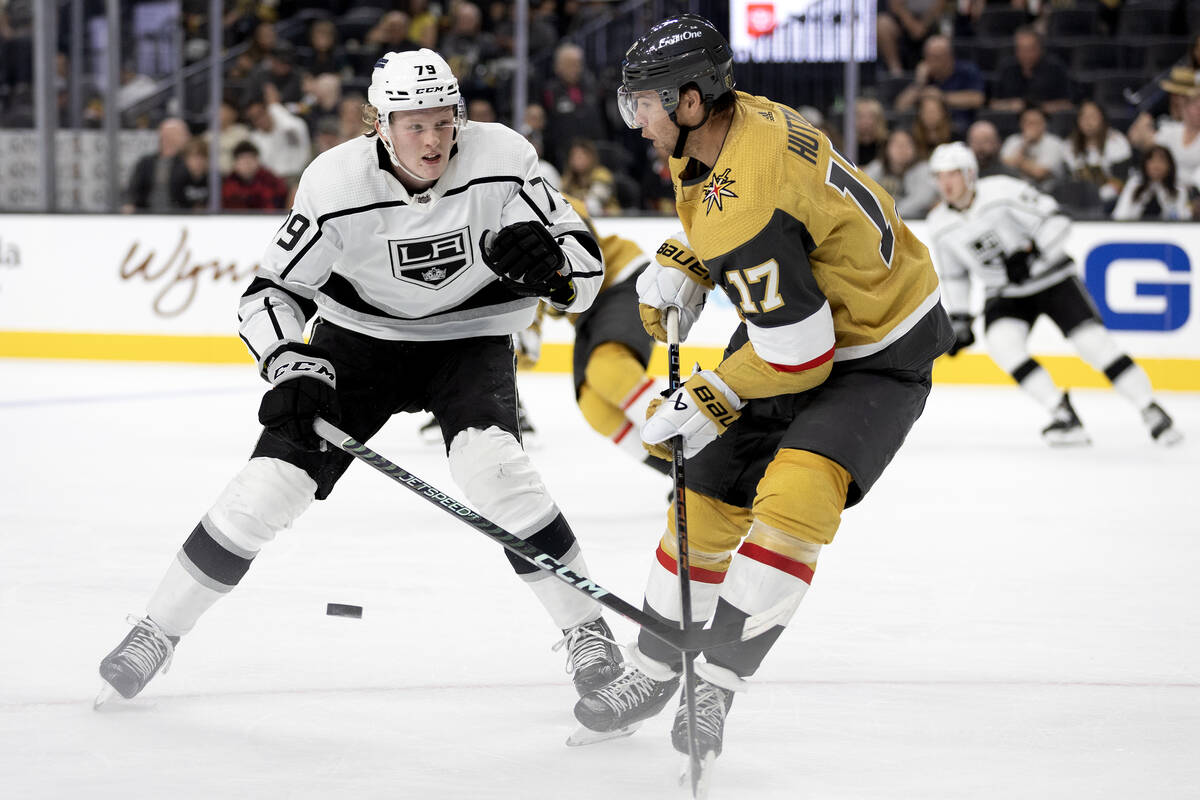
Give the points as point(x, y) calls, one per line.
point(415, 80)
point(954, 156)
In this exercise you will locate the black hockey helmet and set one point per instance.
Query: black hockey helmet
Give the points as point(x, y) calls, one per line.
point(675, 52)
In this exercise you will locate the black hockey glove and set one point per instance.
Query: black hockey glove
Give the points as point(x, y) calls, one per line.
point(1016, 266)
point(963, 335)
point(528, 261)
point(303, 384)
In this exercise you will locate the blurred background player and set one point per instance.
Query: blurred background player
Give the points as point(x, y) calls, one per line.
point(611, 351)
point(416, 251)
point(1009, 237)
point(818, 387)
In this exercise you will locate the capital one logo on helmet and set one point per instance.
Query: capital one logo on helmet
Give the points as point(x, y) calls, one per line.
point(679, 37)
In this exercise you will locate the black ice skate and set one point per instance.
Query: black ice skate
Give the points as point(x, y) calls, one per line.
point(1065, 429)
point(712, 704)
point(138, 658)
point(633, 697)
point(1161, 426)
point(593, 658)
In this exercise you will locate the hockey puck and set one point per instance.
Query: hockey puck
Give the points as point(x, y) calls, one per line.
point(343, 610)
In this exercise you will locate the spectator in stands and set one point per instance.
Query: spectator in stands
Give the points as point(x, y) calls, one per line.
point(322, 100)
point(480, 109)
point(16, 42)
point(1037, 155)
point(1031, 77)
point(870, 129)
point(573, 102)
point(466, 46)
point(1096, 153)
point(932, 125)
point(324, 53)
point(279, 135)
point(902, 29)
point(232, 133)
point(251, 185)
point(424, 23)
point(533, 128)
point(189, 186)
point(277, 69)
point(262, 44)
point(390, 35)
point(150, 184)
point(1154, 191)
point(960, 83)
point(904, 176)
point(984, 141)
point(1182, 137)
point(350, 117)
point(327, 135)
point(588, 180)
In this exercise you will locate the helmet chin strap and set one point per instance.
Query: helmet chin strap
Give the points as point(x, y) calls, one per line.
point(684, 130)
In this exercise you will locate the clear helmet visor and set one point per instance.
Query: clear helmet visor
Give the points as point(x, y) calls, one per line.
point(640, 107)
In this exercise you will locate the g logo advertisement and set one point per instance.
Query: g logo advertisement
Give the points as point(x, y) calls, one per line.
point(1140, 286)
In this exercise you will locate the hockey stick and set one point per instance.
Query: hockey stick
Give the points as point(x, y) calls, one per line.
point(681, 556)
point(685, 641)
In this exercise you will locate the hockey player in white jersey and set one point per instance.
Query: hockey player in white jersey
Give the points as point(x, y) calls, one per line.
point(1009, 237)
point(414, 252)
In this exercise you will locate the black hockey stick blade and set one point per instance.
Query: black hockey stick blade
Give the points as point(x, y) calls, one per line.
point(689, 641)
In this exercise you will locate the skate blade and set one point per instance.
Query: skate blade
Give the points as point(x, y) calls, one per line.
point(105, 695)
point(1169, 438)
point(585, 736)
point(702, 784)
point(1068, 440)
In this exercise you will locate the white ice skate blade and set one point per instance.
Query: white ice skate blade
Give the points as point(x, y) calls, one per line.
point(685, 775)
point(585, 736)
point(106, 694)
point(1080, 439)
point(1169, 438)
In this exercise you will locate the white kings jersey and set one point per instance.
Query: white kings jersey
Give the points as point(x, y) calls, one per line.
point(1006, 215)
point(361, 252)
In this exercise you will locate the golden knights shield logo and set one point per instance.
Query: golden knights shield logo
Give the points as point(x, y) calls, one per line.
point(716, 190)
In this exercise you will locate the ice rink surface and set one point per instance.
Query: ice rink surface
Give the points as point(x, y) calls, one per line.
point(996, 620)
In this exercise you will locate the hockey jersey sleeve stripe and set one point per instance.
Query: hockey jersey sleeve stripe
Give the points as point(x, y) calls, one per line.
point(590, 244)
point(796, 343)
point(816, 362)
point(697, 574)
point(542, 218)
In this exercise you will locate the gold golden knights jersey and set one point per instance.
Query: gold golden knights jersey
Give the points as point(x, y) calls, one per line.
point(809, 250)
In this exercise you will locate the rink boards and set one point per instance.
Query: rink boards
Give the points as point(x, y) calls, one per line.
point(165, 288)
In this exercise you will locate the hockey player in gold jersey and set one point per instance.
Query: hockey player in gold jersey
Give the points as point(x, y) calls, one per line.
point(818, 386)
point(612, 350)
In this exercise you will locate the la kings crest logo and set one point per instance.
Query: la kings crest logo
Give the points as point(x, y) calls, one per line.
point(431, 261)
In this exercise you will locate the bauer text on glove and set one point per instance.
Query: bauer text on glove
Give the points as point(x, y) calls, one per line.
point(700, 410)
point(675, 278)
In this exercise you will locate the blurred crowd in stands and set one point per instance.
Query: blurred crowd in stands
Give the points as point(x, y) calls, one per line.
point(1094, 101)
